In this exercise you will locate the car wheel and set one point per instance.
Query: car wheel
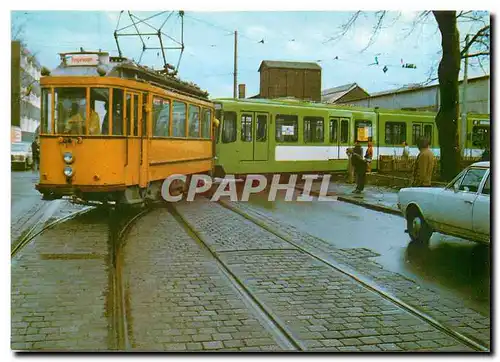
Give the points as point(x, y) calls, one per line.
point(418, 229)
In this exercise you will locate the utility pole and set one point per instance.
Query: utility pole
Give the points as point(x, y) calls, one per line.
point(235, 64)
point(463, 128)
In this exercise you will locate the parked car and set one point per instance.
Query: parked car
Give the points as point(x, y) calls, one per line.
point(460, 209)
point(20, 155)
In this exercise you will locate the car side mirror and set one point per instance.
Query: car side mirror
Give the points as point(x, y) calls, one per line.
point(456, 187)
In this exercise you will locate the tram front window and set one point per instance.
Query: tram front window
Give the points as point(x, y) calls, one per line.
point(70, 112)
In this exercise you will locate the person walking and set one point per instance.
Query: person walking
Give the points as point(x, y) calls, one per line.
point(424, 165)
point(359, 168)
point(35, 151)
point(350, 167)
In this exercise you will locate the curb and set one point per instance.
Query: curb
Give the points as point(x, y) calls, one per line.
point(387, 210)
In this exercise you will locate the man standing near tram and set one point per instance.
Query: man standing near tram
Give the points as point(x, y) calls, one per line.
point(424, 165)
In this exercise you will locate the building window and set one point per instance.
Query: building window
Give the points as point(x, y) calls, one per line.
point(161, 117)
point(395, 133)
point(287, 128)
point(344, 131)
point(428, 133)
point(261, 132)
point(229, 127)
point(194, 121)
point(416, 133)
point(246, 128)
point(363, 131)
point(205, 123)
point(179, 119)
point(314, 129)
point(334, 125)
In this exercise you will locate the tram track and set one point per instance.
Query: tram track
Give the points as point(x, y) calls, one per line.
point(118, 228)
point(32, 232)
point(367, 284)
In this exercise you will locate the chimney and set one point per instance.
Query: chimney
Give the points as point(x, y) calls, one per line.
point(241, 91)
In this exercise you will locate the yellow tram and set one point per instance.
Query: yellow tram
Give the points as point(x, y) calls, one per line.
point(112, 130)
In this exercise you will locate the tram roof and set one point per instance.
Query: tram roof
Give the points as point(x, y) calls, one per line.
point(100, 64)
point(302, 103)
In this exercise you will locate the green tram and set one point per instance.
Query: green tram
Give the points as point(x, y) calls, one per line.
point(261, 136)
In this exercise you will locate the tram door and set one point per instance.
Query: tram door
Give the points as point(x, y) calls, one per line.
point(254, 136)
point(133, 127)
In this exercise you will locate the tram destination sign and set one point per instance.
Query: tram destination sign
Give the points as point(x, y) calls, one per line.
point(82, 59)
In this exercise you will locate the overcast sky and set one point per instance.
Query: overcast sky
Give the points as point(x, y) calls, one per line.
point(295, 36)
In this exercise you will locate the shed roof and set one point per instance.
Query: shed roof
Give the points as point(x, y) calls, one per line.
point(331, 95)
point(289, 65)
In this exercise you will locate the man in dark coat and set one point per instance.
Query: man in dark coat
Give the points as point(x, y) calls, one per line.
point(35, 151)
point(359, 168)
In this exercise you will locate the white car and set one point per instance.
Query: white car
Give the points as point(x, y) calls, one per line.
point(460, 209)
point(20, 154)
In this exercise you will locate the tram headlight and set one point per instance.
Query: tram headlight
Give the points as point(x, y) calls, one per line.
point(68, 157)
point(68, 171)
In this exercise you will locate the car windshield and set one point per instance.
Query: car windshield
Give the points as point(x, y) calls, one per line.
point(20, 147)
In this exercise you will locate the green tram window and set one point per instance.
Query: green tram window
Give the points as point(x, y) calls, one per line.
point(261, 132)
point(480, 136)
point(428, 133)
point(363, 131)
point(229, 127)
point(46, 111)
point(344, 131)
point(194, 122)
point(334, 125)
point(314, 129)
point(205, 123)
point(287, 128)
point(395, 133)
point(161, 117)
point(179, 119)
point(416, 133)
point(246, 128)
point(218, 116)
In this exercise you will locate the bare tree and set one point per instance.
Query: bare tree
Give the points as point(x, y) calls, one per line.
point(478, 46)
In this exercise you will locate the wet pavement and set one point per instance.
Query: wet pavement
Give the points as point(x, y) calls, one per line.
point(449, 264)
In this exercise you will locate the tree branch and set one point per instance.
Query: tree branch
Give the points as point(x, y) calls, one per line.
point(346, 27)
point(475, 55)
point(473, 39)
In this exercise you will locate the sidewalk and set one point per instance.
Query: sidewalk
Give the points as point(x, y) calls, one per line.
point(373, 197)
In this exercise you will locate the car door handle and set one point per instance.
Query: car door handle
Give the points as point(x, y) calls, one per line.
point(468, 202)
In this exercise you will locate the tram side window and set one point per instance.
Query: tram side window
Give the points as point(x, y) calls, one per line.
point(314, 129)
point(416, 133)
point(194, 121)
point(480, 136)
point(46, 111)
point(205, 123)
point(363, 131)
point(114, 114)
point(229, 127)
point(428, 132)
point(287, 128)
point(246, 128)
point(99, 97)
point(71, 109)
point(179, 119)
point(161, 117)
point(344, 131)
point(395, 133)
point(334, 125)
